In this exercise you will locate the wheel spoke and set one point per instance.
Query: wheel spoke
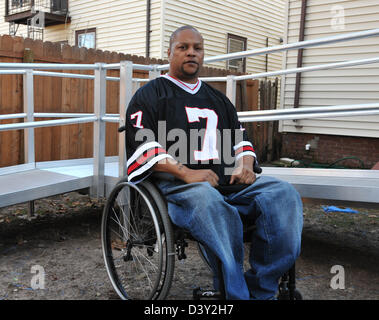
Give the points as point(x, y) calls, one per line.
point(135, 245)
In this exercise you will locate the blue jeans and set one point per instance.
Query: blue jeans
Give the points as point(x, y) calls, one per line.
point(274, 206)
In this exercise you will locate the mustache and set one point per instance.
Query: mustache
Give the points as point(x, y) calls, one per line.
point(191, 61)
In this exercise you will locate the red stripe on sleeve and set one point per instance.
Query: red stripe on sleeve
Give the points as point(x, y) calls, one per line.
point(244, 148)
point(148, 154)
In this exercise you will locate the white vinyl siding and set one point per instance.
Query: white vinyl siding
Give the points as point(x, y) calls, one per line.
point(120, 25)
point(353, 85)
point(254, 20)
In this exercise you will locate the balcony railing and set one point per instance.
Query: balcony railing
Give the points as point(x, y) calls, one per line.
point(19, 11)
point(51, 6)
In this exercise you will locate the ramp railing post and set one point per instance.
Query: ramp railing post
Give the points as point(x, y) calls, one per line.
point(126, 93)
point(29, 145)
point(28, 86)
point(100, 89)
point(155, 73)
point(231, 88)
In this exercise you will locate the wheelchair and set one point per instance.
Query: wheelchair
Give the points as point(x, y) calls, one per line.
point(140, 245)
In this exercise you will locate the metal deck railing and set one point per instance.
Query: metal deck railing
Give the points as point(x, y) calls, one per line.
point(100, 173)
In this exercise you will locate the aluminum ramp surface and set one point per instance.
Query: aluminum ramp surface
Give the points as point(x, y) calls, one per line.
point(49, 179)
point(331, 184)
point(24, 183)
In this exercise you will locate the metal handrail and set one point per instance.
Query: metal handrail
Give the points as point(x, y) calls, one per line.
point(52, 115)
point(342, 64)
point(303, 44)
point(99, 117)
point(67, 115)
point(46, 123)
point(48, 66)
point(334, 65)
point(12, 71)
point(290, 46)
point(64, 75)
point(63, 66)
point(136, 66)
point(12, 116)
point(311, 112)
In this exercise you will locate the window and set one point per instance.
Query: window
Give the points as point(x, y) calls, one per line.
point(86, 38)
point(20, 3)
point(236, 44)
point(59, 6)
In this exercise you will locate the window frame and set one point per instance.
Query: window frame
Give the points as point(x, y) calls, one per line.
point(239, 38)
point(84, 31)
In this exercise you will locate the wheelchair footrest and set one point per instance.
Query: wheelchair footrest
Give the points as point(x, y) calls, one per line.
point(200, 293)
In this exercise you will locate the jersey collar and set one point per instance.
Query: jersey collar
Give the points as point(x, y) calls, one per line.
point(188, 87)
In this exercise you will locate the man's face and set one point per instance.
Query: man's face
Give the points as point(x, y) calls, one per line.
point(186, 55)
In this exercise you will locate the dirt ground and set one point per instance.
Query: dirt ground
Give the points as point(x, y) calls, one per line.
point(63, 237)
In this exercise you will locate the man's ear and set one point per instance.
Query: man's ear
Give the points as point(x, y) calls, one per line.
point(168, 53)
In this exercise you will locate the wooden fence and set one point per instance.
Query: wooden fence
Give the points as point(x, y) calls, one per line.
point(266, 135)
point(52, 94)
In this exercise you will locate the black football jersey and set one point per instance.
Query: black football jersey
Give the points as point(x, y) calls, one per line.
point(194, 124)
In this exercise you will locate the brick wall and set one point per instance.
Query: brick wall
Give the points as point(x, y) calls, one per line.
point(326, 149)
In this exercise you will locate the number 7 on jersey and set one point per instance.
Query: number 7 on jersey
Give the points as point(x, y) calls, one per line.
point(209, 149)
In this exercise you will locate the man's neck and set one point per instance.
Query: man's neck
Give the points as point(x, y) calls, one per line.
point(191, 88)
point(186, 80)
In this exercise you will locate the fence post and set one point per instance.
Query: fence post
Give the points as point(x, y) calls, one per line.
point(126, 92)
point(28, 86)
point(100, 89)
point(231, 88)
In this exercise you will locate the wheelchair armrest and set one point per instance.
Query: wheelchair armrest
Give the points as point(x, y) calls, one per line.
point(230, 188)
point(256, 167)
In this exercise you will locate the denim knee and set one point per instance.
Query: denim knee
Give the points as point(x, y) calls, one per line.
point(191, 201)
point(204, 196)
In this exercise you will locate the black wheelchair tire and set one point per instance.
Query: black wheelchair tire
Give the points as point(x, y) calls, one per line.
point(162, 227)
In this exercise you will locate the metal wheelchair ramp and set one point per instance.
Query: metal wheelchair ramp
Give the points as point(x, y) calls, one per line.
point(33, 180)
point(331, 184)
point(26, 183)
point(50, 178)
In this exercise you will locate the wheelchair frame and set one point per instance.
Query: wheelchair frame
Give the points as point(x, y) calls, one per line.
point(151, 216)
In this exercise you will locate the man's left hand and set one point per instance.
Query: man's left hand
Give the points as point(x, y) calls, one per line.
point(243, 174)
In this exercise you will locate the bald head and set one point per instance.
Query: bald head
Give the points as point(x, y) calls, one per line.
point(177, 31)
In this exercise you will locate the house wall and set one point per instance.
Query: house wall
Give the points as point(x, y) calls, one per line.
point(121, 25)
point(354, 85)
point(254, 20)
point(345, 151)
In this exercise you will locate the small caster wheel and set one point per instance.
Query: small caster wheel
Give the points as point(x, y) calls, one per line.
point(284, 295)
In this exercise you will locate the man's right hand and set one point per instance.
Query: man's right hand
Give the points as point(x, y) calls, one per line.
point(186, 174)
point(201, 175)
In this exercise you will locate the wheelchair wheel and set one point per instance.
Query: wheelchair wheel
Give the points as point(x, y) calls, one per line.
point(137, 241)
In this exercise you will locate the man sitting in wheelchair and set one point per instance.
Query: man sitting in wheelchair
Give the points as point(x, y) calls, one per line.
point(208, 176)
